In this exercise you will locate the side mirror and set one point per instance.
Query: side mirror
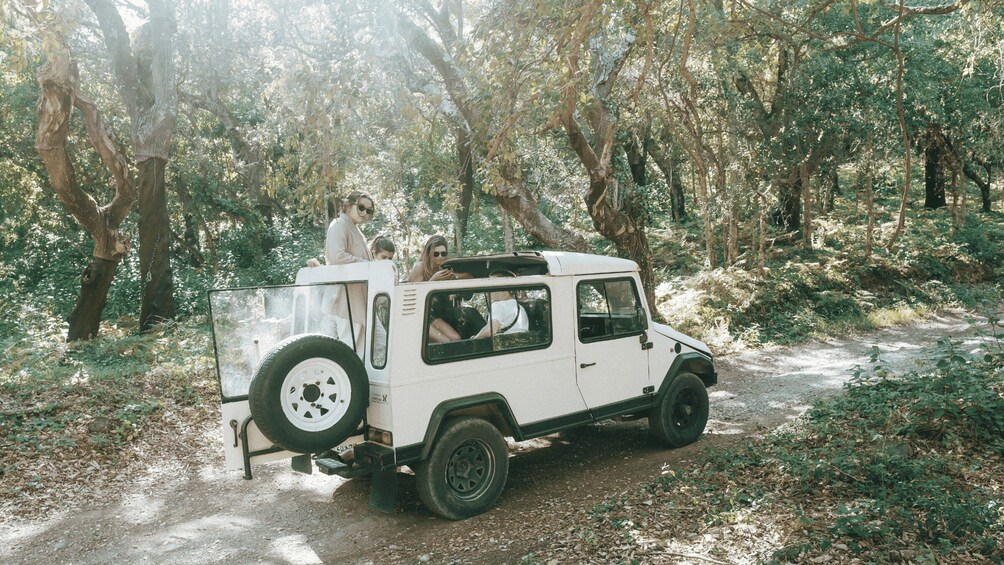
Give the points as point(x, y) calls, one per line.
point(642, 317)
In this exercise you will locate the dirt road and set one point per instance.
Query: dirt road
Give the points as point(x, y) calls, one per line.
point(191, 511)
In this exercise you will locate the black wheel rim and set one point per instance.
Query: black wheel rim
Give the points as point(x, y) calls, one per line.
point(686, 409)
point(470, 469)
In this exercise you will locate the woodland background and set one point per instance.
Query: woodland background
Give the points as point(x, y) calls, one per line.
point(779, 170)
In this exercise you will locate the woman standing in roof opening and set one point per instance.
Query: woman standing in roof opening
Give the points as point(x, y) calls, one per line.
point(345, 244)
point(430, 263)
point(430, 268)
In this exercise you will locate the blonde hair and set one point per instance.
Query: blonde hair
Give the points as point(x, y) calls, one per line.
point(428, 269)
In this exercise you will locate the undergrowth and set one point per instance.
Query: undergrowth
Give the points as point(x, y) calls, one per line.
point(833, 289)
point(90, 401)
point(900, 468)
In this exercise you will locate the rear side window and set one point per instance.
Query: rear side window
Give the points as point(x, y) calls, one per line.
point(607, 309)
point(381, 325)
point(481, 322)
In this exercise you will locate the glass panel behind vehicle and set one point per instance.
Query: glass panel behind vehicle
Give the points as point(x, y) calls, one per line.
point(249, 322)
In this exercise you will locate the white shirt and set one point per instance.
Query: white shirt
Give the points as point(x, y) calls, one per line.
point(505, 311)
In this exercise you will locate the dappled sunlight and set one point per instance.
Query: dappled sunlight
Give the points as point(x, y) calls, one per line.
point(141, 508)
point(294, 550)
point(745, 535)
point(718, 427)
point(192, 534)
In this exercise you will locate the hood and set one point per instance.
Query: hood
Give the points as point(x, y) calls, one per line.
point(663, 329)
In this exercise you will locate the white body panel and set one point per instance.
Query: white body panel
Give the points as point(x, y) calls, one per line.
point(238, 412)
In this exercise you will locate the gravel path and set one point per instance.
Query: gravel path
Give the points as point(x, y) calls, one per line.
point(191, 511)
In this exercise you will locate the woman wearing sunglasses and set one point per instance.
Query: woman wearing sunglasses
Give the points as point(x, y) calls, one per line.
point(430, 264)
point(344, 242)
point(430, 268)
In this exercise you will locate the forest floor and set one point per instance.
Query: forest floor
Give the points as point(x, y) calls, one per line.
point(174, 503)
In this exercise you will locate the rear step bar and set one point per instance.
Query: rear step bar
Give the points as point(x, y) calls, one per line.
point(332, 466)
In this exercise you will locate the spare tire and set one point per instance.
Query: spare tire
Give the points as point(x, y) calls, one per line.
point(309, 393)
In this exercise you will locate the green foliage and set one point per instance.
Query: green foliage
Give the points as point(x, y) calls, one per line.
point(832, 289)
point(95, 401)
point(899, 467)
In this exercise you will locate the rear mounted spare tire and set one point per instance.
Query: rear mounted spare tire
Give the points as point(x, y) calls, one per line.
point(309, 393)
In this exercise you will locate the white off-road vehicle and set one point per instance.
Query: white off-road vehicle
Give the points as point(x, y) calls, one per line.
point(343, 358)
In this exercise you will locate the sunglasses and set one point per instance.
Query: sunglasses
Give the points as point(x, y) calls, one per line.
point(439, 253)
point(364, 210)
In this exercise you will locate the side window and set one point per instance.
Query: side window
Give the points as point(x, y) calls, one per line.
point(607, 309)
point(381, 327)
point(486, 321)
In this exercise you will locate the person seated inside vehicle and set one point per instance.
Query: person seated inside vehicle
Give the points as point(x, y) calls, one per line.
point(507, 316)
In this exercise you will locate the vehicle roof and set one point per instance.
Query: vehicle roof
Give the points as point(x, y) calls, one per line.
point(554, 263)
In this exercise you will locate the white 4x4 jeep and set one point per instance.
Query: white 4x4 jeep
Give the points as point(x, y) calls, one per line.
point(344, 358)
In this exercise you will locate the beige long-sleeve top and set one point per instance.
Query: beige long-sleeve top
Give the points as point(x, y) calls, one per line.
point(345, 243)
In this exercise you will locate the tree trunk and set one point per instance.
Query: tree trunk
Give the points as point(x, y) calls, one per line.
point(869, 199)
point(191, 235)
point(955, 204)
point(85, 318)
point(465, 160)
point(829, 185)
point(761, 201)
point(57, 80)
point(807, 209)
point(788, 215)
point(636, 159)
point(515, 197)
point(154, 245)
point(669, 166)
point(984, 185)
point(905, 133)
point(934, 176)
point(144, 71)
point(508, 238)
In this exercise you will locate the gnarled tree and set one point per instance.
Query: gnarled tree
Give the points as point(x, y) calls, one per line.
point(58, 83)
point(144, 73)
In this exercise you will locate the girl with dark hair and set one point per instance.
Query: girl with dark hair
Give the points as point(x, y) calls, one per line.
point(382, 248)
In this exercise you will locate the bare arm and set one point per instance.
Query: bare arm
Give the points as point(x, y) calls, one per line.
point(416, 274)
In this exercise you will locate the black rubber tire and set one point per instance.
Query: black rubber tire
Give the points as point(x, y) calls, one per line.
point(308, 417)
point(466, 469)
point(680, 417)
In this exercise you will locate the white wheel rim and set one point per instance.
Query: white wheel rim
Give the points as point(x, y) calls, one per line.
point(315, 394)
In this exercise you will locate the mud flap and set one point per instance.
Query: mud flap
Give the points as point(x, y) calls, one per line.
point(302, 464)
point(383, 491)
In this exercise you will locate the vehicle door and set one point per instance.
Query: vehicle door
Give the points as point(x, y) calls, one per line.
point(611, 354)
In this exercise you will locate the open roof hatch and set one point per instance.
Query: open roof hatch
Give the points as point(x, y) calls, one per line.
point(521, 263)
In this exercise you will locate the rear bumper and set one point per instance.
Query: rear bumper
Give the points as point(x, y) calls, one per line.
point(375, 456)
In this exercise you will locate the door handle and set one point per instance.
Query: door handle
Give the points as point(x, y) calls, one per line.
point(584, 365)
